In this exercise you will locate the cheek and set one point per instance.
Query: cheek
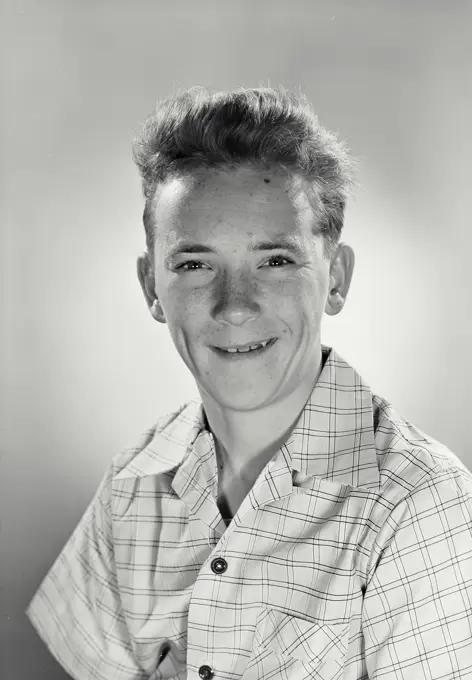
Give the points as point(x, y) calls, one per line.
point(186, 315)
point(176, 302)
point(306, 291)
point(306, 302)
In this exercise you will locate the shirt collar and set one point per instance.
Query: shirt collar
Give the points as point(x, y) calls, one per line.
point(333, 438)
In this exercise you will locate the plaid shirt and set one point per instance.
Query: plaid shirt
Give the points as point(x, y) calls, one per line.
point(351, 556)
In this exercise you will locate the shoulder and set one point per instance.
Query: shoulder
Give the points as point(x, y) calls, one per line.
point(162, 423)
point(413, 463)
point(397, 437)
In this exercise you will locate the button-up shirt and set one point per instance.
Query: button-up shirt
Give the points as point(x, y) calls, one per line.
point(349, 558)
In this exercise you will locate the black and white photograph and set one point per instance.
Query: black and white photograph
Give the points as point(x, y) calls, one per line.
point(236, 340)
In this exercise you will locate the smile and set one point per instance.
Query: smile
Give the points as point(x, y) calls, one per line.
point(252, 350)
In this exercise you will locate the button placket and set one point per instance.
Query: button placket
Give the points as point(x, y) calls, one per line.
point(218, 566)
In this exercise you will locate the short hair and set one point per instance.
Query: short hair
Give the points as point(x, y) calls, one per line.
point(265, 128)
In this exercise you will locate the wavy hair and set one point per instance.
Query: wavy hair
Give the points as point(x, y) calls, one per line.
point(266, 128)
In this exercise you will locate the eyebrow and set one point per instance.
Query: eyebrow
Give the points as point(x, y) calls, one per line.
point(283, 242)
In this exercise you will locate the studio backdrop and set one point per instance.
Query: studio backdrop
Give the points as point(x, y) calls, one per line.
point(85, 367)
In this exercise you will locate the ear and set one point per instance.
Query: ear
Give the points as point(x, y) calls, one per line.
point(340, 275)
point(147, 280)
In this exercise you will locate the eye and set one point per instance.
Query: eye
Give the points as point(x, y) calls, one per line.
point(278, 258)
point(189, 265)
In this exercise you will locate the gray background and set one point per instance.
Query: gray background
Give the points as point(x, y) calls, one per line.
point(86, 369)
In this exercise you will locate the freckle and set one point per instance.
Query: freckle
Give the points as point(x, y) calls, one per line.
point(266, 180)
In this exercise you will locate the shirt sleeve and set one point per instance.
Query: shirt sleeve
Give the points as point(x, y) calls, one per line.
point(417, 611)
point(77, 610)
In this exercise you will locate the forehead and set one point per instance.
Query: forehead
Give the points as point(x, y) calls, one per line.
point(212, 203)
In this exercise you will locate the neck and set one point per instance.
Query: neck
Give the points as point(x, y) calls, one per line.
point(246, 440)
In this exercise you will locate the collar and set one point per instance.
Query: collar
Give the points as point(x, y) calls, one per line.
point(333, 438)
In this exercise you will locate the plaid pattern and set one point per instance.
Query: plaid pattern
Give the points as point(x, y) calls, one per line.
point(351, 556)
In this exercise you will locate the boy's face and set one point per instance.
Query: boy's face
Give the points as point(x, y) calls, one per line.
point(236, 263)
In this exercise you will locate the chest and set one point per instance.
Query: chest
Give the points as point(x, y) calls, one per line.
point(290, 576)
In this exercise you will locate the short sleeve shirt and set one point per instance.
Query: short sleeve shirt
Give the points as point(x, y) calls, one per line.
point(349, 558)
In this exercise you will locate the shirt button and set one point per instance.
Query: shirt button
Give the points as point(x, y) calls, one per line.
point(205, 672)
point(219, 566)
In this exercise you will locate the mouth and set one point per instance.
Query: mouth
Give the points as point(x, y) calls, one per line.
point(242, 351)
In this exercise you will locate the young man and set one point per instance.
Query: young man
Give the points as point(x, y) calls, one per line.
point(290, 524)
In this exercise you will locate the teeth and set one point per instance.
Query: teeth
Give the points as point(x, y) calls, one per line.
point(248, 349)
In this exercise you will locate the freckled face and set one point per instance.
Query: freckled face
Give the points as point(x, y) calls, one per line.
point(235, 264)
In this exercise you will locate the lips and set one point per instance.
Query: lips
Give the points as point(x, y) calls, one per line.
point(247, 348)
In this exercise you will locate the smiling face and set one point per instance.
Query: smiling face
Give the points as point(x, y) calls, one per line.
point(235, 264)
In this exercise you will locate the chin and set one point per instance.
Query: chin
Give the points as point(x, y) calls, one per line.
point(242, 399)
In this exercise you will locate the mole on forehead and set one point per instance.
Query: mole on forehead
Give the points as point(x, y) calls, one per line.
point(239, 190)
point(238, 178)
point(244, 190)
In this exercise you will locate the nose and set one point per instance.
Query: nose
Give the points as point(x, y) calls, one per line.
point(235, 302)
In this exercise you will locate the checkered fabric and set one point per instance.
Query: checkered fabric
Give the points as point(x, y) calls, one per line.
point(350, 557)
